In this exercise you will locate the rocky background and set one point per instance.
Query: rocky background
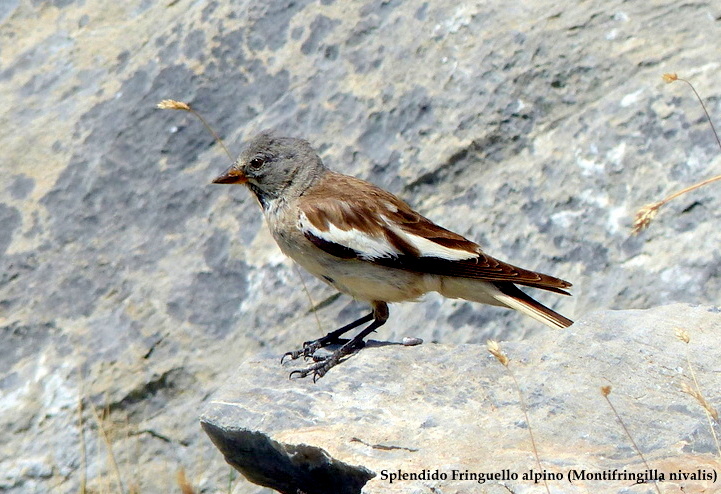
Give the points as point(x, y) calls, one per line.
point(439, 408)
point(131, 288)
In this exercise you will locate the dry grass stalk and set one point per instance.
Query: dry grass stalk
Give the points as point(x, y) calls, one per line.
point(683, 335)
point(669, 78)
point(171, 104)
point(646, 214)
point(495, 349)
point(310, 299)
point(185, 487)
point(109, 447)
point(605, 392)
point(695, 392)
point(83, 449)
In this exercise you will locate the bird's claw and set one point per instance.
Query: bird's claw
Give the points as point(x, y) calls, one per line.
point(319, 369)
point(308, 351)
point(322, 364)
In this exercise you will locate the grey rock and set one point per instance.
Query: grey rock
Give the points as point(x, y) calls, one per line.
point(131, 285)
point(440, 409)
point(9, 221)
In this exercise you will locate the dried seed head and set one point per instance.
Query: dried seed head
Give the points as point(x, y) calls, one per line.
point(682, 335)
point(644, 217)
point(171, 104)
point(605, 390)
point(495, 349)
point(670, 77)
point(696, 393)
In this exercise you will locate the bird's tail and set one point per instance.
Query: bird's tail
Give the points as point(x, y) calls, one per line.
point(503, 294)
point(512, 296)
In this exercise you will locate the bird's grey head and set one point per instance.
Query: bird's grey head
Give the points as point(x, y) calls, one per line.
point(274, 166)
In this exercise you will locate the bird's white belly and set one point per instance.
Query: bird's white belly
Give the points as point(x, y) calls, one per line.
point(366, 281)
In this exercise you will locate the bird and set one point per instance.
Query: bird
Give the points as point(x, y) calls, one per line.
point(367, 243)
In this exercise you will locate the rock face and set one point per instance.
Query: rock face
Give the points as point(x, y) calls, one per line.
point(441, 408)
point(130, 287)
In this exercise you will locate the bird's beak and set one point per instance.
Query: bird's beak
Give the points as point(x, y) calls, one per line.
point(231, 176)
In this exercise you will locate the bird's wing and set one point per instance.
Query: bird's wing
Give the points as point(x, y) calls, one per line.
point(353, 219)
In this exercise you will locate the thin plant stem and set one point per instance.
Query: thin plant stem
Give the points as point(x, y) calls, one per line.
point(530, 429)
point(83, 448)
point(711, 413)
point(647, 213)
point(307, 294)
point(169, 104)
point(708, 117)
point(495, 349)
point(605, 391)
point(688, 189)
point(109, 446)
point(708, 414)
point(215, 135)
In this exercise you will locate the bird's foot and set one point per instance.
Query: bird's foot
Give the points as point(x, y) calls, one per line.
point(310, 347)
point(308, 350)
point(319, 368)
point(322, 364)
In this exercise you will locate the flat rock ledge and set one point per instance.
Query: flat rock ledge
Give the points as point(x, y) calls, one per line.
point(443, 419)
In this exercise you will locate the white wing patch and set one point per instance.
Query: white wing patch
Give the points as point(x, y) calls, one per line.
point(371, 247)
point(428, 248)
point(368, 246)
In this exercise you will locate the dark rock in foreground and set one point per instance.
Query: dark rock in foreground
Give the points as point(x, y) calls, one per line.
point(439, 410)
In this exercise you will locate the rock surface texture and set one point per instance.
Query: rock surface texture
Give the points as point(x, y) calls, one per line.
point(441, 408)
point(130, 287)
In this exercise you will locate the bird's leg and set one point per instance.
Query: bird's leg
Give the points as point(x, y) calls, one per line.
point(309, 347)
point(323, 364)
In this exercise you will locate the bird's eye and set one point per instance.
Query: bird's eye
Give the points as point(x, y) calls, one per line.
point(256, 163)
